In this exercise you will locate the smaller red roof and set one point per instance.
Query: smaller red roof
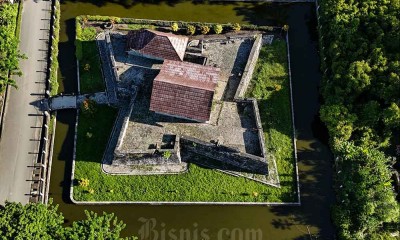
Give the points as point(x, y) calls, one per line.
point(157, 44)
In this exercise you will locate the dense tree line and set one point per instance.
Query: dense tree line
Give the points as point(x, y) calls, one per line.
point(9, 53)
point(360, 48)
point(39, 221)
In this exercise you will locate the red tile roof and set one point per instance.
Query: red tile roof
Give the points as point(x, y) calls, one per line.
point(185, 90)
point(157, 44)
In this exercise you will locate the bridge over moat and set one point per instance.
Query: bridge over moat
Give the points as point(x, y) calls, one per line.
point(71, 101)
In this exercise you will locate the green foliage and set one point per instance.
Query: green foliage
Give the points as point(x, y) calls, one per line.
point(19, 221)
point(9, 53)
point(54, 52)
point(167, 154)
point(39, 221)
point(365, 197)
point(174, 27)
point(361, 51)
point(391, 116)
point(90, 77)
point(236, 27)
point(88, 34)
point(99, 18)
point(84, 182)
point(339, 121)
point(218, 28)
point(190, 30)
point(204, 29)
point(96, 226)
point(89, 107)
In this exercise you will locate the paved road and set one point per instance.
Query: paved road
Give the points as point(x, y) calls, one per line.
point(21, 129)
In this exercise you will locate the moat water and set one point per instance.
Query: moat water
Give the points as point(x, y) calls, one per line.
point(310, 221)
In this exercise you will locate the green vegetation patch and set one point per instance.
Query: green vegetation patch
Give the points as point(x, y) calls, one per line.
point(199, 183)
point(54, 52)
point(360, 50)
point(270, 86)
point(9, 53)
point(90, 76)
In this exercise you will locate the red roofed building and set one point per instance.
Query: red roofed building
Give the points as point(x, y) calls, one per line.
point(158, 45)
point(184, 90)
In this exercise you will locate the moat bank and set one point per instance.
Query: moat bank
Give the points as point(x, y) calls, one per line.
point(314, 156)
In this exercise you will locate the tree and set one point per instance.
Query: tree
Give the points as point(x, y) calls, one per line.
point(39, 221)
point(174, 27)
point(9, 53)
point(19, 221)
point(366, 201)
point(391, 116)
point(218, 28)
point(96, 226)
point(204, 29)
point(236, 27)
point(339, 121)
point(190, 29)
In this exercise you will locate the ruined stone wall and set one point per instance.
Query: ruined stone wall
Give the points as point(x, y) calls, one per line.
point(148, 157)
point(111, 52)
point(261, 139)
point(225, 155)
point(249, 69)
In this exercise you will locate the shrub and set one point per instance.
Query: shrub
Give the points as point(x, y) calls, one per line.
point(204, 29)
point(167, 154)
point(218, 28)
point(285, 28)
point(190, 29)
point(88, 106)
point(236, 27)
point(54, 52)
point(89, 134)
point(87, 67)
point(88, 34)
point(174, 27)
point(84, 182)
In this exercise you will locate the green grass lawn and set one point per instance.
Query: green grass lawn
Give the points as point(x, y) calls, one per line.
point(91, 79)
point(198, 184)
point(270, 86)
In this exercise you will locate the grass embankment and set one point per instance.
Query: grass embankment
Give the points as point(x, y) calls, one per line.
point(199, 184)
point(270, 86)
point(91, 79)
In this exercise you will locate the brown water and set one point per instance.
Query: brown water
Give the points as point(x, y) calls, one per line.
point(314, 156)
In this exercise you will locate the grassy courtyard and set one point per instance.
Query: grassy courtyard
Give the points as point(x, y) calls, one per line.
point(198, 184)
point(91, 79)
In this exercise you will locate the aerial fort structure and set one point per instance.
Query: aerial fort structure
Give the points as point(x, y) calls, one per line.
point(182, 100)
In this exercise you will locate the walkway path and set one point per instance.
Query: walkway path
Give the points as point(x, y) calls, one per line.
point(19, 143)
